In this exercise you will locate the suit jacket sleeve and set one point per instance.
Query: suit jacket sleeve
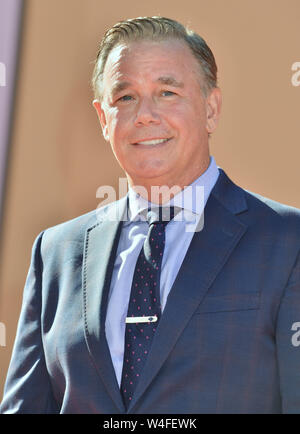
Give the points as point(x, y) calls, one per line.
point(288, 343)
point(28, 388)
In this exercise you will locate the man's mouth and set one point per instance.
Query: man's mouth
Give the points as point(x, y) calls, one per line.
point(152, 142)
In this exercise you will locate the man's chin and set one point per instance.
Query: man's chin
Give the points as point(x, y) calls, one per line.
point(148, 176)
point(149, 169)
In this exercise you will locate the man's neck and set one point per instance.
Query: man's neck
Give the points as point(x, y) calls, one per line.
point(162, 190)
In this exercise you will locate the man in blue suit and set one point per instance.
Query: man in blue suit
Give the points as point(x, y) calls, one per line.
point(226, 338)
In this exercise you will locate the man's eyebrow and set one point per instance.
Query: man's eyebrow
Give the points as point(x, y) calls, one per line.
point(170, 81)
point(166, 80)
point(119, 86)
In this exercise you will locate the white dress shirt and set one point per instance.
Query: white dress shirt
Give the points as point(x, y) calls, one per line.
point(179, 233)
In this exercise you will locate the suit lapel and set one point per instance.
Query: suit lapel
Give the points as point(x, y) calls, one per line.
point(99, 255)
point(208, 252)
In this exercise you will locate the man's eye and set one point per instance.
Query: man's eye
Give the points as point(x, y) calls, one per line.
point(167, 93)
point(125, 98)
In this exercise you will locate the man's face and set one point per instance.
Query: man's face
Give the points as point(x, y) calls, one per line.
point(154, 114)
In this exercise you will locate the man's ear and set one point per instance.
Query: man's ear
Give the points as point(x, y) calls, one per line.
point(213, 104)
point(102, 119)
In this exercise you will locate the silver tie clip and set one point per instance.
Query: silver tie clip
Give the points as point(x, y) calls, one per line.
point(134, 319)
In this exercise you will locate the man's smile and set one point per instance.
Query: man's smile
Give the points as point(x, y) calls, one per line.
point(152, 142)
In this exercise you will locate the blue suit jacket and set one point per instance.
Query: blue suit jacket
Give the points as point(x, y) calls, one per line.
point(227, 342)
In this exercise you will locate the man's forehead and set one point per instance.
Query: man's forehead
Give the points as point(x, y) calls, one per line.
point(144, 52)
point(146, 45)
point(168, 80)
point(116, 70)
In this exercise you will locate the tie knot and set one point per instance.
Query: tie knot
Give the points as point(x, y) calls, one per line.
point(161, 214)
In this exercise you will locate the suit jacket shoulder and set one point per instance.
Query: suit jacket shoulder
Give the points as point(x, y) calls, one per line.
point(72, 233)
point(263, 214)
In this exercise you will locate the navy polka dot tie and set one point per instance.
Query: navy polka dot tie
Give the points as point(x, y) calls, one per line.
point(144, 309)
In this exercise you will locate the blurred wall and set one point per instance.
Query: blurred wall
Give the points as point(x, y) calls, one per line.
point(58, 155)
point(10, 34)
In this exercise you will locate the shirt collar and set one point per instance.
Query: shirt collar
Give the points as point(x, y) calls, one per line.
point(187, 199)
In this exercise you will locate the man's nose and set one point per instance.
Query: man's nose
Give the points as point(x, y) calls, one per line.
point(147, 113)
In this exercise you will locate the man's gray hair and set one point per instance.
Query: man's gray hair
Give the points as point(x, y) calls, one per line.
point(155, 29)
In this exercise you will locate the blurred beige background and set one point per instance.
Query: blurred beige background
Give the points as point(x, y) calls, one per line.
point(59, 158)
